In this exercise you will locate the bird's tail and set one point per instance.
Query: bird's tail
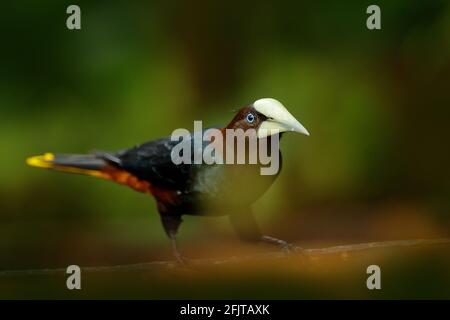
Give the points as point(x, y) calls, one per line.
point(87, 164)
point(100, 165)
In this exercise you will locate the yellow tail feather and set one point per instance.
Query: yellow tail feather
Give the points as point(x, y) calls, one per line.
point(46, 161)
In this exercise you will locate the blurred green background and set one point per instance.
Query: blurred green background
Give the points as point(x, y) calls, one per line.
point(376, 166)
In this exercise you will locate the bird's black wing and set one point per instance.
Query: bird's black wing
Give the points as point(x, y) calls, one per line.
point(151, 161)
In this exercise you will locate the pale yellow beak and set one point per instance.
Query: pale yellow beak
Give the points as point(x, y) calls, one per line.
point(279, 119)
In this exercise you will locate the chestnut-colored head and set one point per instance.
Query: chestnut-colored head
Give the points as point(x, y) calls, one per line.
point(267, 116)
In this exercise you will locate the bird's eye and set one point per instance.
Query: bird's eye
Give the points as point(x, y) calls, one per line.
point(250, 118)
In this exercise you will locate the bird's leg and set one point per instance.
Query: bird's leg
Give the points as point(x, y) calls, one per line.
point(245, 225)
point(177, 254)
point(171, 224)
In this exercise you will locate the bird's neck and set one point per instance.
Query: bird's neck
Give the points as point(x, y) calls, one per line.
point(231, 142)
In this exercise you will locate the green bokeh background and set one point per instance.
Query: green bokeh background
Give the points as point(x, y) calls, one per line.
point(376, 166)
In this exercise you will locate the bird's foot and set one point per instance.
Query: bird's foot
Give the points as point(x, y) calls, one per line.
point(290, 248)
point(285, 246)
point(181, 260)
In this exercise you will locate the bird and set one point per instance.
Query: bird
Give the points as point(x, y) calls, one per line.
point(217, 189)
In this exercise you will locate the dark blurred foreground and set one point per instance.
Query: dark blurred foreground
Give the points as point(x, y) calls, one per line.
point(415, 272)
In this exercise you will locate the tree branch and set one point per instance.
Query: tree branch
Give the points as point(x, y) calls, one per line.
point(343, 249)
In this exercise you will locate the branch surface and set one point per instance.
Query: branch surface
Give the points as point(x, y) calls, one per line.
point(343, 249)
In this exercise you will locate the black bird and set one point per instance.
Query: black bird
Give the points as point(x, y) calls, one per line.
point(192, 189)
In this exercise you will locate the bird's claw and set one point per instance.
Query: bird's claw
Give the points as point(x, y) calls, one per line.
point(290, 248)
point(285, 246)
point(181, 260)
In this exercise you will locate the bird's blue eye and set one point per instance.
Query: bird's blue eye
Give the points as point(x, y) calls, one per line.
point(250, 118)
